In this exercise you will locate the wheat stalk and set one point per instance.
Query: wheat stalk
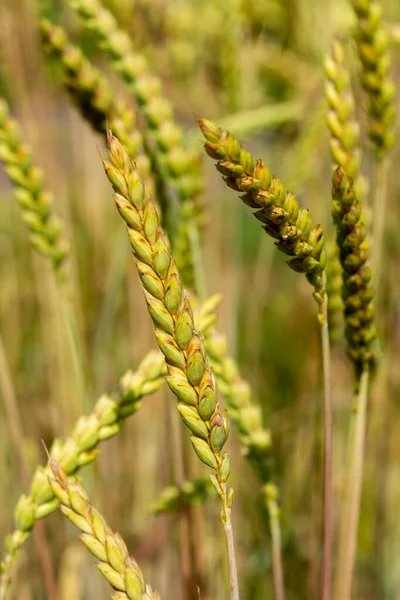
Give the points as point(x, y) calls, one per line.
point(189, 375)
point(115, 563)
point(79, 450)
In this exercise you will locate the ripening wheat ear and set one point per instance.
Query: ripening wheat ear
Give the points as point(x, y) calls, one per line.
point(372, 44)
point(115, 563)
point(90, 91)
point(178, 166)
point(358, 299)
point(290, 225)
point(46, 233)
point(358, 293)
point(79, 450)
point(279, 212)
point(189, 375)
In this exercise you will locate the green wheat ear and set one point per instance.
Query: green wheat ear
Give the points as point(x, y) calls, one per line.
point(177, 166)
point(90, 91)
point(189, 375)
point(278, 210)
point(115, 563)
point(358, 292)
point(372, 44)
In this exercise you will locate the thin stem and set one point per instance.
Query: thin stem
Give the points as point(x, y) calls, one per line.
point(233, 576)
point(357, 443)
point(328, 487)
point(198, 265)
point(275, 527)
point(379, 212)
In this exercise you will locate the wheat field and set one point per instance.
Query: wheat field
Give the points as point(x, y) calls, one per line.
point(138, 141)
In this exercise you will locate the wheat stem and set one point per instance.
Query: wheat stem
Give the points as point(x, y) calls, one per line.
point(347, 554)
point(328, 484)
point(230, 546)
point(271, 500)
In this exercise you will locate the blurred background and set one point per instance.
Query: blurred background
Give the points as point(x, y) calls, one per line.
point(256, 66)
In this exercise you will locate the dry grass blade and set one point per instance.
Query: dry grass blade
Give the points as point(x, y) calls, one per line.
point(116, 565)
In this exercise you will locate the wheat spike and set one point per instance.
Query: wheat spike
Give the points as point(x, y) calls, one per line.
point(45, 228)
point(189, 374)
point(358, 292)
point(179, 166)
point(372, 44)
point(79, 450)
point(279, 212)
point(116, 565)
point(91, 93)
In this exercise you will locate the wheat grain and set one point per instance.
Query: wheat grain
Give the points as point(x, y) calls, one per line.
point(343, 125)
point(177, 497)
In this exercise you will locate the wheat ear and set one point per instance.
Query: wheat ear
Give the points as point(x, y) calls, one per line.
point(346, 153)
point(279, 212)
point(358, 299)
point(179, 166)
point(115, 563)
point(334, 284)
point(46, 234)
point(358, 293)
point(285, 221)
point(79, 450)
point(189, 375)
point(372, 44)
point(90, 91)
